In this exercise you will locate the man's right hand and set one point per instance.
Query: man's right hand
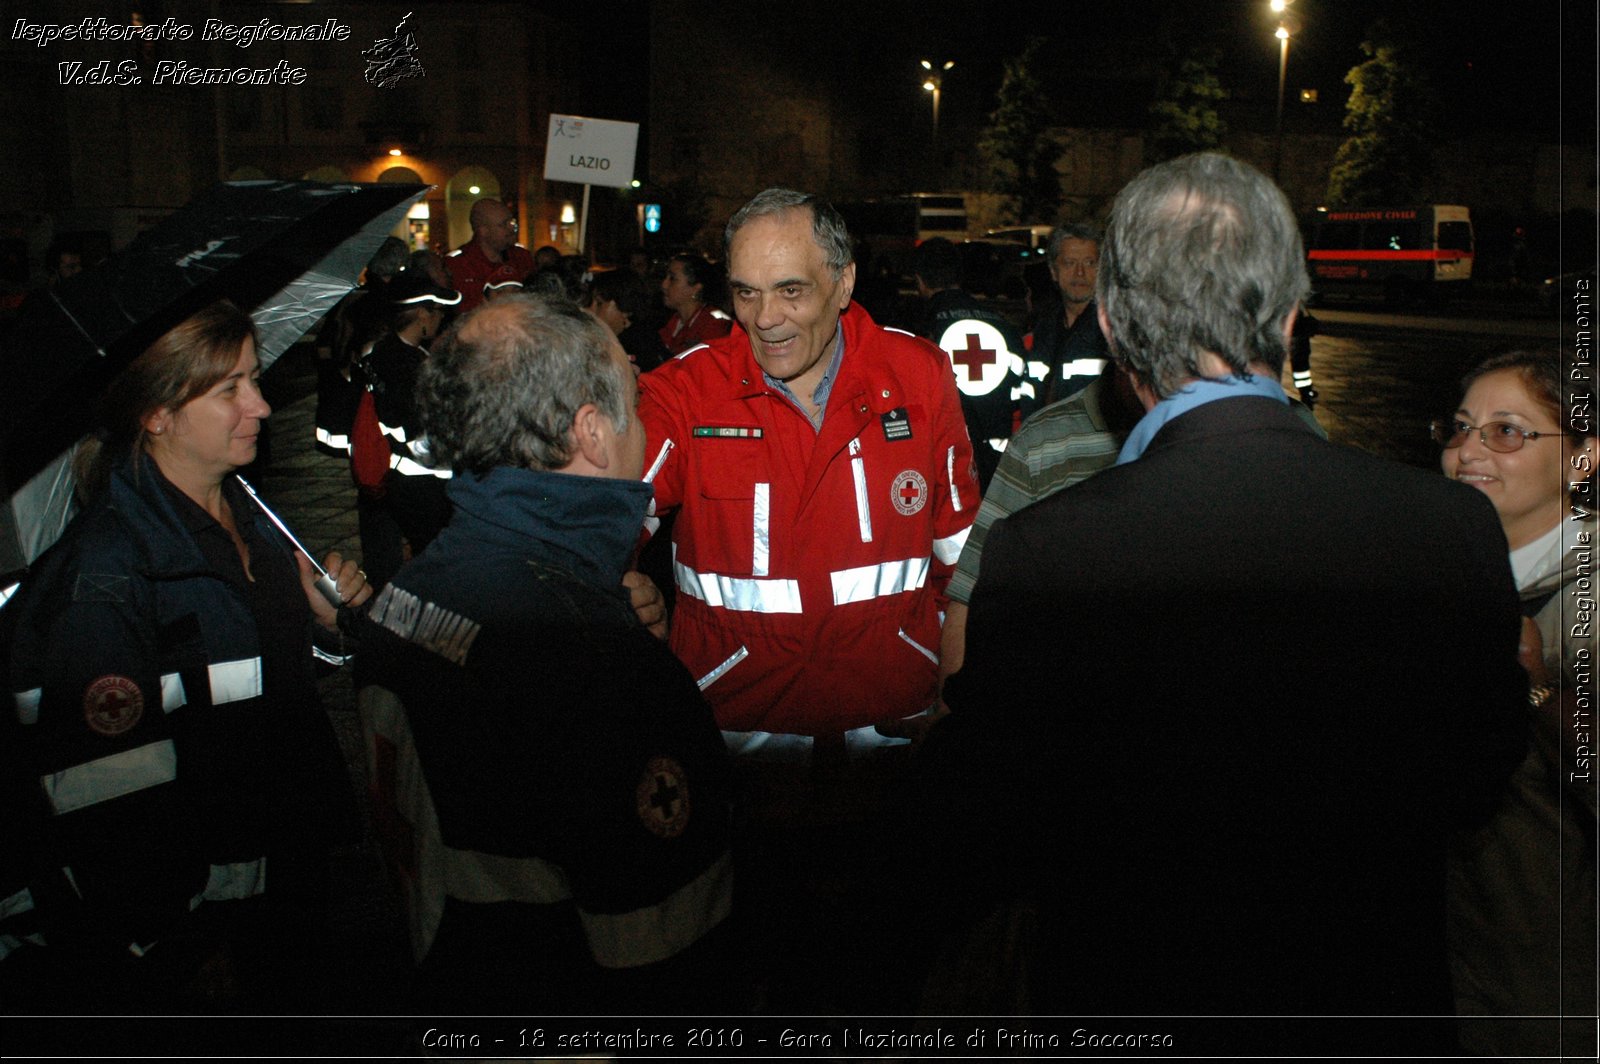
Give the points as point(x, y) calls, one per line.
point(917, 727)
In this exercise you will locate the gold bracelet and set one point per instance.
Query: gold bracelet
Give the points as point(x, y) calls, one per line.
point(1540, 693)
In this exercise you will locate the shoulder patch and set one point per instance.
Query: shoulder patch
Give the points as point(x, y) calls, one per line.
point(100, 587)
point(662, 798)
point(112, 705)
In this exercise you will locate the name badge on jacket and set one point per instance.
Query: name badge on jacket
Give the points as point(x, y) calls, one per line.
point(897, 424)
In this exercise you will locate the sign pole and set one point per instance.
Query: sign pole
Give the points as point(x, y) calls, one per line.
point(583, 225)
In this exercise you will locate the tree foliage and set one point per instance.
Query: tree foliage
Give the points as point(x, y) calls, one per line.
point(1017, 146)
point(1391, 120)
point(1184, 113)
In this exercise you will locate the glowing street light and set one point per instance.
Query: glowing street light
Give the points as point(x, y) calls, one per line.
point(1287, 24)
point(933, 82)
point(1283, 70)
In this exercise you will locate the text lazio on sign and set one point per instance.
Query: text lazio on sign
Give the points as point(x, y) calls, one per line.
point(590, 151)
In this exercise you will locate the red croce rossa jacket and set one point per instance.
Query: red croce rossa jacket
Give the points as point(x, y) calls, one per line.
point(811, 566)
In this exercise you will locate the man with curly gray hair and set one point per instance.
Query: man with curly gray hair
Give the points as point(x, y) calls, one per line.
point(562, 785)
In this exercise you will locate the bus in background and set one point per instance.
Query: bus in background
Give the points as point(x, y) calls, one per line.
point(891, 227)
point(1400, 253)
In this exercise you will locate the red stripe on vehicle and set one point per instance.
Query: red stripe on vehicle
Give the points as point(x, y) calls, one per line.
point(1388, 256)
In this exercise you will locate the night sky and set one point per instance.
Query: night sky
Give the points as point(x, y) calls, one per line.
point(1499, 65)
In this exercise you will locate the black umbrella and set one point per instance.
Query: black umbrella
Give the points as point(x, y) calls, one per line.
point(283, 251)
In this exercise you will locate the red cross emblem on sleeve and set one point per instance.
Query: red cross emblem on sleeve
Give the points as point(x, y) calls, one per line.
point(112, 705)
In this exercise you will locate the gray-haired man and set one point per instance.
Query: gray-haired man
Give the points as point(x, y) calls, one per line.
point(1206, 823)
point(1066, 349)
point(551, 787)
point(824, 484)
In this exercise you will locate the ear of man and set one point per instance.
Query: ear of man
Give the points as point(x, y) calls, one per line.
point(591, 438)
point(847, 285)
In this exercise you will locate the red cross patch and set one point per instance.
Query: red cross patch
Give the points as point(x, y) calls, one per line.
point(662, 798)
point(112, 705)
point(908, 491)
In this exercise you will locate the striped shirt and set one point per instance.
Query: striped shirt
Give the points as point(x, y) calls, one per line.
point(1064, 443)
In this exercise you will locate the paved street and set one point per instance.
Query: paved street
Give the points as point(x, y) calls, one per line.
point(1383, 376)
point(315, 496)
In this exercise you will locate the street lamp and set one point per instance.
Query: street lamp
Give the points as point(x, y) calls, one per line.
point(1278, 8)
point(933, 82)
point(1283, 68)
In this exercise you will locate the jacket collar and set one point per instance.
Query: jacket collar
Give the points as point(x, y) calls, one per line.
point(164, 539)
point(590, 524)
point(1052, 326)
point(1231, 417)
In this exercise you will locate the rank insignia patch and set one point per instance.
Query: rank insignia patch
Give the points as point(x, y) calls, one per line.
point(897, 424)
point(662, 798)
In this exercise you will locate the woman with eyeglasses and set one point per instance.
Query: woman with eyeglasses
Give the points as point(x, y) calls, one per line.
point(1522, 889)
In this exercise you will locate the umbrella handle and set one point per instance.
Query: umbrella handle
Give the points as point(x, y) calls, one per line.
point(325, 583)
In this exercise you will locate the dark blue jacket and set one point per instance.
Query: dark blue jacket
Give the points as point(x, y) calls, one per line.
point(153, 755)
point(1062, 353)
point(986, 354)
point(551, 787)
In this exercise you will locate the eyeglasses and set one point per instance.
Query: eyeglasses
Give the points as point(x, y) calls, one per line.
point(1501, 436)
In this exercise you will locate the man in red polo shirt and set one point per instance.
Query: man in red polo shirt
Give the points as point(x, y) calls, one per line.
point(492, 255)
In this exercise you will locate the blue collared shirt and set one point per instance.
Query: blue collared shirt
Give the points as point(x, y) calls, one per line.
point(1196, 393)
point(824, 388)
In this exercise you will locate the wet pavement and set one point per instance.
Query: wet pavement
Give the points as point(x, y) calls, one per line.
point(369, 957)
point(1382, 376)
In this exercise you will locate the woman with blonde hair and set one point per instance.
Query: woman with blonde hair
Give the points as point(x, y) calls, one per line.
point(179, 782)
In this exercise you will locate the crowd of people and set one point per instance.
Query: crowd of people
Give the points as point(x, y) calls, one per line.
point(960, 680)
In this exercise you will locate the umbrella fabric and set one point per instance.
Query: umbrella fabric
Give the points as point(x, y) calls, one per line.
point(283, 251)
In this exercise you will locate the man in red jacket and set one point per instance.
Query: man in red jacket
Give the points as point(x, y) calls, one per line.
point(492, 255)
point(824, 485)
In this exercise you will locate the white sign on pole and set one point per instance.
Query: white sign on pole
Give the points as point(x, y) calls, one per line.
point(590, 151)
